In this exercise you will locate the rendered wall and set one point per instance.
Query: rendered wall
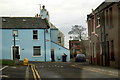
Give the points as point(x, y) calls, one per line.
point(26, 43)
point(48, 45)
point(54, 35)
point(0, 38)
point(59, 50)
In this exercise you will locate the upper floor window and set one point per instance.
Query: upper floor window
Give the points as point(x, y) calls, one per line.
point(77, 43)
point(35, 34)
point(59, 39)
point(77, 49)
point(107, 17)
point(92, 24)
point(98, 21)
point(15, 32)
point(111, 19)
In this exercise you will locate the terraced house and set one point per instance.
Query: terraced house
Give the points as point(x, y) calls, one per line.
point(34, 38)
point(104, 34)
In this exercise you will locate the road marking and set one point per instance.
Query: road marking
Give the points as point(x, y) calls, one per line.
point(35, 73)
point(3, 76)
point(27, 73)
point(3, 68)
point(13, 67)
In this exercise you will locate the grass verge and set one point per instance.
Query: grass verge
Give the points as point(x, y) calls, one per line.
point(9, 62)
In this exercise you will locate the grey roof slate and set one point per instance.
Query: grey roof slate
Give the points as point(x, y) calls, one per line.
point(24, 23)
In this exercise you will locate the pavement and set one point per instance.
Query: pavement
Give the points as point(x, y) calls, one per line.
point(99, 69)
point(96, 68)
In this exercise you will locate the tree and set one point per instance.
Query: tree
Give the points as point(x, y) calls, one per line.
point(79, 32)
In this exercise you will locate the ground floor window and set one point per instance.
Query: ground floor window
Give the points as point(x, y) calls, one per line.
point(36, 50)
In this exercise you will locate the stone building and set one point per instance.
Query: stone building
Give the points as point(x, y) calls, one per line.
point(104, 34)
point(75, 47)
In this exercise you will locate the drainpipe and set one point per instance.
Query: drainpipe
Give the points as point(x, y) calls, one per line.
point(45, 44)
point(14, 47)
point(94, 32)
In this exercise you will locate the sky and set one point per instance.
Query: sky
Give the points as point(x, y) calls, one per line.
point(63, 13)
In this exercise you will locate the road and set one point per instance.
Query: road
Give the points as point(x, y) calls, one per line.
point(54, 71)
point(16, 73)
point(63, 71)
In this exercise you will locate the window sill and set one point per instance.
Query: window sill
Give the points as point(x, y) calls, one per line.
point(36, 56)
point(35, 39)
point(98, 26)
point(16, 39)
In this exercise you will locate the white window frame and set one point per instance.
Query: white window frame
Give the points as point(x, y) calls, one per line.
point(40, 52)
point(12, 50)
point(35, 34)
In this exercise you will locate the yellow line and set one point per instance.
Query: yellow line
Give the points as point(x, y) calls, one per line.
point(37, 73)
point(33, 72)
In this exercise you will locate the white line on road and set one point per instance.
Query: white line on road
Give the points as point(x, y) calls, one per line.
point(3, 68)
point(3, 76)
point(27, 73)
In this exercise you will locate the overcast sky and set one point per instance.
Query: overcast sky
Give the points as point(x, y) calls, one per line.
point(63, 13)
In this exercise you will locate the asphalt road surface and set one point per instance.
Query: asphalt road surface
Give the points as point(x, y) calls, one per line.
point(16, 73)
point(65, 71)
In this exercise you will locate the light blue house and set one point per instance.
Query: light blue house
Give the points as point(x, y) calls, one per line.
point(34, 39)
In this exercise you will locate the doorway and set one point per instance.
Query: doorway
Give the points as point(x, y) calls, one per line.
point(107, 54)
point(16, 52)
point(52, 55)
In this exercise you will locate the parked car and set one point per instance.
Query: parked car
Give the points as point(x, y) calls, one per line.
point(80, 58)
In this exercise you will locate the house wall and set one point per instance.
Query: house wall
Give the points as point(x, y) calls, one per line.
point(0, 38)
point(113, 36)
point(75, 49)
point(98, 47)
point(26, 43)
point(60, 34)
point(48, 45)
point(54, 35)
point(59, 50)
point(119, 37)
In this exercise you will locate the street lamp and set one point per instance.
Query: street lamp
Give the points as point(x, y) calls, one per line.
point(16, 56)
